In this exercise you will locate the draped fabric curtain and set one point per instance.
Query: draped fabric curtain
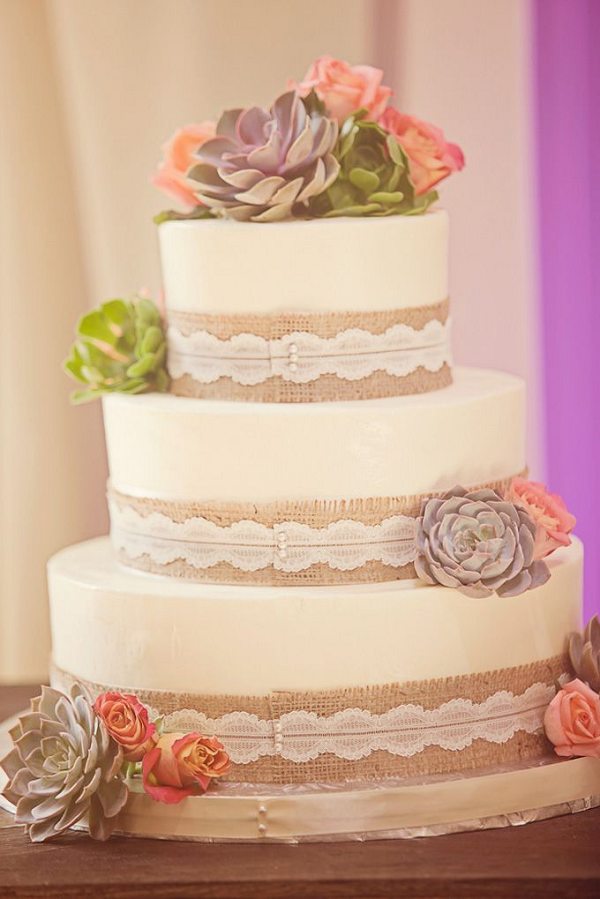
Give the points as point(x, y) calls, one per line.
point(89, 89)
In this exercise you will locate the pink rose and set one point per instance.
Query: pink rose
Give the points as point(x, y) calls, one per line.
point(178, 158)
point(126, 720)
point(572, 721)
point(181, 765)
point(344, 88)
point(553, 523)
point(431, 158)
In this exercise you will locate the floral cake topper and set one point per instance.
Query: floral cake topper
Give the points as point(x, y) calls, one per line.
point(330, 145)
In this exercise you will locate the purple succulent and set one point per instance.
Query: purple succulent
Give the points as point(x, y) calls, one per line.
point(477, 543)
point(261, 164)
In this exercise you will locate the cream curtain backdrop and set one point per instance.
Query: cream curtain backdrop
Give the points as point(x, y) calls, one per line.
point(89, 90)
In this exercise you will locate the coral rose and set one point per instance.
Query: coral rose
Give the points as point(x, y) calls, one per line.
point(126, 720)
point(178, 158)
point(572, 721)
point(344, 88)
point(553, 522)
point(181, 765)
point(431, 157)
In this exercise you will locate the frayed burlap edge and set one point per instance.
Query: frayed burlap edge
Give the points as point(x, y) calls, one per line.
point(376, 699)
point(322, 324)
point(316, 513)
point(319, 575)
point(327, 388)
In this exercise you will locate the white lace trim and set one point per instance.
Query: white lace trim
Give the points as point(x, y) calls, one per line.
point(354, 733)
point(302, 357)
point(250, 546)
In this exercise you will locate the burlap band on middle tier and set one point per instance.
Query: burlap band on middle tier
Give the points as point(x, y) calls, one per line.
point(310, 357)
point(310, 542)
point(420, 728)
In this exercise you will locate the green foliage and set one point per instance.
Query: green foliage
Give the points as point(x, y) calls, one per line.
point(169, 215)
point(120, 346)
point(373, 178)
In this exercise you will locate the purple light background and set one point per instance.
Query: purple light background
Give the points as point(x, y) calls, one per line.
point(567, 99)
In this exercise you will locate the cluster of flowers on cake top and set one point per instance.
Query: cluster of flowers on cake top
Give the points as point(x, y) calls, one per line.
point(72, 759)
point(572, 720)
point(481, 542)
point(330, 145)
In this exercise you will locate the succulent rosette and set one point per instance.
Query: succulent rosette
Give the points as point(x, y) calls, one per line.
point(64, 766)
point(584, 653)
point(477, 543)
point(374, 177)
point(120, 347)
point(262, 164)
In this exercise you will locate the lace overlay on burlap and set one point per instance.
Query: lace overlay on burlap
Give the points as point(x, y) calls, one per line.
point(302, 357)
point(251, 546)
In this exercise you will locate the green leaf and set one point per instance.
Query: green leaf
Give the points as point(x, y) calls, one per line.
point(395, 150)
point(365, 180)
point(388, 198)
point(152, 340)
point(95, 325)
point(142, 367)
point(169, 215)
point(365, 209)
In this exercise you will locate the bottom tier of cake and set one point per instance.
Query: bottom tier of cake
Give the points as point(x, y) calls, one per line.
point(319, 684)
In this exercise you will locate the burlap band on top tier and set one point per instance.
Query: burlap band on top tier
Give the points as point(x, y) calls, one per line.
point(304, 542)
point(311, 357)
point(442, 726)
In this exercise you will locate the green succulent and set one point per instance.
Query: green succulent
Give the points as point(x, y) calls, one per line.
point(374, 175)
point(120, 346)
point(169, 215)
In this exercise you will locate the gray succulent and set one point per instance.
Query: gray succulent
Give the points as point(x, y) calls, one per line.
point(584, 652)
point(63, 766)
point(477, 543)
point(263, 163)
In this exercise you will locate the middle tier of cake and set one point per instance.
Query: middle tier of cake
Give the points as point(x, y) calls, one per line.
point(321, 493)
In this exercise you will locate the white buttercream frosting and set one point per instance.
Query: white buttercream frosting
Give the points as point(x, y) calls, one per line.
point(116, 626)
point(360, 264)
point(174, 448)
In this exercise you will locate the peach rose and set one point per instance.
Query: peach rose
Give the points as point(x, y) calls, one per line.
point(553, 523)
point(572, 721)
point(126, 720)
point(181, 765)
point(344, 88)
point(178, 158)
point(431, 158)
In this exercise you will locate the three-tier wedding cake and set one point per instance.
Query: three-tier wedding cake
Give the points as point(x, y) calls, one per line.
point(330, 594)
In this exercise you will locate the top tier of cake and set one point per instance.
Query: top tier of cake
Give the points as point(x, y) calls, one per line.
point(218, 267)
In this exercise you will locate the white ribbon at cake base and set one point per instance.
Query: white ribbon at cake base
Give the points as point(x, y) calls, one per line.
point(351, 734)
point(301, 357)
point(250, 546)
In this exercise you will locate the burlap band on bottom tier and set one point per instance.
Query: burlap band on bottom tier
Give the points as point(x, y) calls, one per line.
point(152, 535)
point(523, 743)
point(310, 357)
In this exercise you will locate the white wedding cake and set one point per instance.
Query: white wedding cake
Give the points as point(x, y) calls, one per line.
point(330, 592)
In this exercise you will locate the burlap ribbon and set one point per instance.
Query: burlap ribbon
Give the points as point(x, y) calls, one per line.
point(525, 744)
point(285, 382)
point(134, 537)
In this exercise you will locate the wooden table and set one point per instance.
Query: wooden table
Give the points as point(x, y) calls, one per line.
point(559, 857)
